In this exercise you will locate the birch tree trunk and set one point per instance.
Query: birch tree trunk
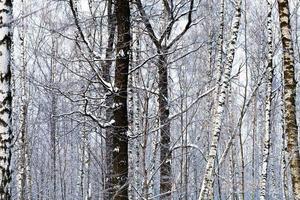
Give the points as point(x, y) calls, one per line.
point(131, 132)
point(208, 177)
point(137, 121)
point(22, 142)
point(120, 137)
point(220, 44)
point(220, 53)
point(5, 98)
point(291, 128)
point(267, 144)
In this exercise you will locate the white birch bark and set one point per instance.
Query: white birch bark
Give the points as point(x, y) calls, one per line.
point(22, 139)
point(220, 53)
point(267, 144)
point(5, 98)
point(131, 132)
point(208, 177)
point(137, 115)
point(219, 70)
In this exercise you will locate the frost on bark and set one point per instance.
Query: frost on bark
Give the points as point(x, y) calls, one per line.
point(291, 129)
point(5, 98)
point(120, 137)
point(267, 144)
point(208, 177)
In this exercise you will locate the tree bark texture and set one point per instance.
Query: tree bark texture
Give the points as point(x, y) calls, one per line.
point(291, 128)
point(120, 136)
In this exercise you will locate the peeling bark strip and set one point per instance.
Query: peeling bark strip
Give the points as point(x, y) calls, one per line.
point(120, 138)
point(291, 129)
point(208, 177)
point(267, 144)
point(5, 98)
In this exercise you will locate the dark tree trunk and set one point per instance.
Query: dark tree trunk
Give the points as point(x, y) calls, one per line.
point(120, 138)
point(165, 154)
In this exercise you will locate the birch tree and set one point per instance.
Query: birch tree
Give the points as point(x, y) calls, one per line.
point(5, 98)
point(290, 119)
point(267, 144)
point(23, 155)
point(208, 177)
point(101, 122)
